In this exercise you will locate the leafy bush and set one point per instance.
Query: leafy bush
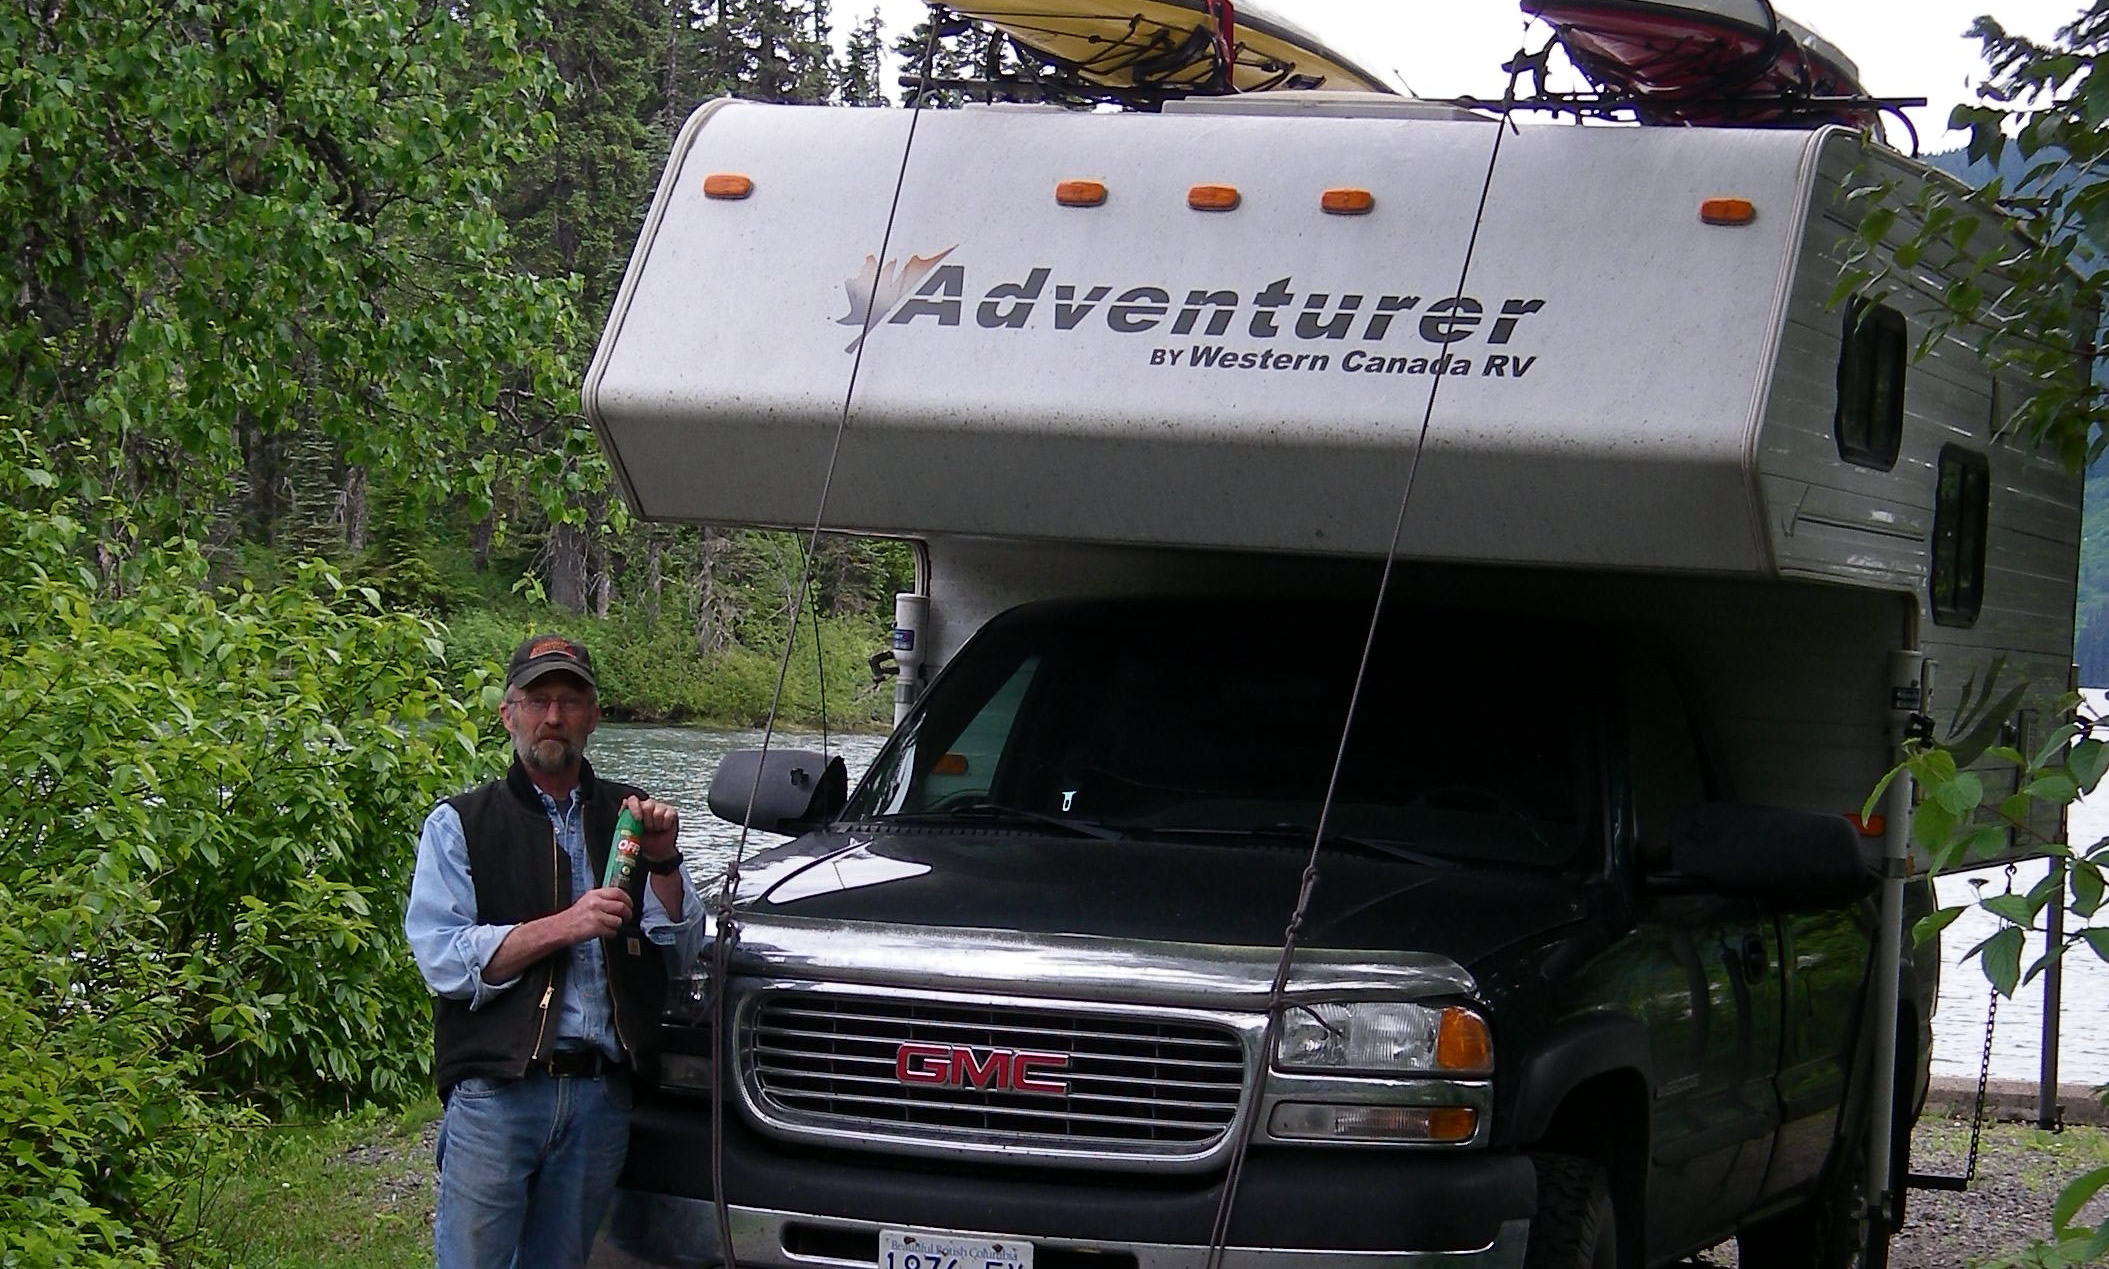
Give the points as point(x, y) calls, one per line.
point(649, 670)
point(208, 810)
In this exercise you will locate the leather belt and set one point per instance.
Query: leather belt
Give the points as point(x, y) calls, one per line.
point(585, 1063)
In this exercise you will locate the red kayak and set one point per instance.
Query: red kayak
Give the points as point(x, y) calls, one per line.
point(1709, 62)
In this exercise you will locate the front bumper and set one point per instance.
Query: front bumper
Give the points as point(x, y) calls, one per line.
point(663, 1230)
point(1296, 1207)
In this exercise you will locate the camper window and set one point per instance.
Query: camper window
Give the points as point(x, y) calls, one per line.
point(1870, 418)
point(1961, 507)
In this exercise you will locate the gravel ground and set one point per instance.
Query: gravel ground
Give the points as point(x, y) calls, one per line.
point(2020, 1170)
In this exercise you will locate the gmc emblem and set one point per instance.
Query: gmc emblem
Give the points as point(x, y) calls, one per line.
point(1003, 1070)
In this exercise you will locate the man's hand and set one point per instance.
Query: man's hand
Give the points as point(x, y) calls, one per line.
point(596, 914)
point(662, 825)
point(662, 830)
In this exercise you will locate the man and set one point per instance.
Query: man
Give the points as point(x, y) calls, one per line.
point(547, 985)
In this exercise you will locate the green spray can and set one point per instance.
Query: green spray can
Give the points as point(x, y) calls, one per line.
point(626, 857)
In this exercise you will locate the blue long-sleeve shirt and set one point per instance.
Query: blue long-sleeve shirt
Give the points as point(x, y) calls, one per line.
point(452, 947)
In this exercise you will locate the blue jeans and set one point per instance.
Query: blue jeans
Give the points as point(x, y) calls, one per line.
point(526, 1169)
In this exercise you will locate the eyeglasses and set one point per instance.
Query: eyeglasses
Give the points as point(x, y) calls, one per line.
point(568, 706)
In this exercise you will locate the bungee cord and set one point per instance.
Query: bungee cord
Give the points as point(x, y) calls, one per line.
point(726, 932)
point(1219, 1235)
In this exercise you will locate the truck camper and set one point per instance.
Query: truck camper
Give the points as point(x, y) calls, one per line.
point(1601, 962)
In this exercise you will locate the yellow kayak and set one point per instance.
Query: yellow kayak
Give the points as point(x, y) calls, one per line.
point(1171, 44)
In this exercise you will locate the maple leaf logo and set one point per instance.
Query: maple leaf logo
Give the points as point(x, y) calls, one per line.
point(876, 291)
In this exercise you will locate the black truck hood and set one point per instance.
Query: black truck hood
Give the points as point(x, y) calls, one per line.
point(1236, 894)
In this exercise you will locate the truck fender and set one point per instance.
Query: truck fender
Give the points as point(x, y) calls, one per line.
point(1581, 1050)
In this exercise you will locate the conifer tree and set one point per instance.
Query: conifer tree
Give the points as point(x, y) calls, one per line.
point(861, 72)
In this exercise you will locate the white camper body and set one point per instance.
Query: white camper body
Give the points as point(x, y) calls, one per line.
point(1630, 413)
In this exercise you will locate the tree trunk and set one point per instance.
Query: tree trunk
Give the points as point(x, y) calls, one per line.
point(566, 558)
point(263, 470)
point(654, 577)
point(352, 508)
point(715, 603)
point(480, 543)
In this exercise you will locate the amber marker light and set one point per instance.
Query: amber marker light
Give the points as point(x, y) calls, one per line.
point(1214, 198)
point(951, 764)
point(1452, 1123)
point(1347, 202)
point(1462, 1041)
point(1727, 211)
point(728, 185)
point(1081, 193)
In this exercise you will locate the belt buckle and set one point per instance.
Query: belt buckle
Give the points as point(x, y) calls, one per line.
point(574, 1062)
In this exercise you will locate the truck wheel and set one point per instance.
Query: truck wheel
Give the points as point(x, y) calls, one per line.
point(1575, 1226)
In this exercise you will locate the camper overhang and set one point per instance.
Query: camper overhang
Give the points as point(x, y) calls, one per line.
point(1591, 356)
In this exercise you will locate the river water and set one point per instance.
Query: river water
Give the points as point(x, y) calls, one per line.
point(676, 764)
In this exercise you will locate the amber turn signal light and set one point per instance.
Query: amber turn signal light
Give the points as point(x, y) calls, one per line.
point(1727, 211)
point(1347, 202)
point(1081, 193)
point(1452, 1123)
point(951, 764)
point(1217, 198)
point(727, 185)
point(1462, 1041)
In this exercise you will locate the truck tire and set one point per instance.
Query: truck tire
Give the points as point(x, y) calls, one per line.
point(1575, 1226)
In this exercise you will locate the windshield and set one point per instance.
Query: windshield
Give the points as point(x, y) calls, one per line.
point(1214, 721)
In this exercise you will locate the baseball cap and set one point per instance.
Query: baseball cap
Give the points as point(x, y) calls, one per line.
point(538, 655)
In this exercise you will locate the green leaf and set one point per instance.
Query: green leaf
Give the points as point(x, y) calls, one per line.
point(1930, 926)
point(2075, 1196)
point(1959, 796)
point(2013, 908)
point(2087, 888)
point(2057, 790)
point(2086, 762)
point(2098, 939)
point(2000, 956)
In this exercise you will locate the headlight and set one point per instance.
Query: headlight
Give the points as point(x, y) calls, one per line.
point(1384, 1037)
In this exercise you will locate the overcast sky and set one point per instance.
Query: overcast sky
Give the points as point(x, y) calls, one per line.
point(1443, 48)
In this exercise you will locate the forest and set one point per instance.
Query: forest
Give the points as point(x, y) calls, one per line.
point(299, 294)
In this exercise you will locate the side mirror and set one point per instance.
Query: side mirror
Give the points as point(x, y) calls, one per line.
point(796, 789)
point(1795, 858)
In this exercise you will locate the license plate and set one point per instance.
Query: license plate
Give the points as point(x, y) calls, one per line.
point(912, 1249)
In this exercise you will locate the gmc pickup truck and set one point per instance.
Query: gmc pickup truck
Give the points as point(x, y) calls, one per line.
point(1557, 1003)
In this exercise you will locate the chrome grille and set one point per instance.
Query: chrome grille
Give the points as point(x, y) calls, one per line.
point(1143, 1085)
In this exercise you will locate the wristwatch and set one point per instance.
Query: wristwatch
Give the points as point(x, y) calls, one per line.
point(661, 867)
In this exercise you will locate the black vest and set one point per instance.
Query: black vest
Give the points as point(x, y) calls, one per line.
point(520, 874)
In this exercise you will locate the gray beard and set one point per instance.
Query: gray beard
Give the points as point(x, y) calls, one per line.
point(550, 756)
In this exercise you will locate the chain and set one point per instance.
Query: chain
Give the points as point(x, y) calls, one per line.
point(1984, 1079)
point(1984, 1070)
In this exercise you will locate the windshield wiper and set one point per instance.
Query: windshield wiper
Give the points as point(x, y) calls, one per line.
point(1291, 832)
point(996, 812)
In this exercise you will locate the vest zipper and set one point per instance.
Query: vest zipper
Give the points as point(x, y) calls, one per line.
point(549, 989)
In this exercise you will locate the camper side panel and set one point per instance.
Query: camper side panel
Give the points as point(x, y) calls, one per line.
point(1834, 510)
